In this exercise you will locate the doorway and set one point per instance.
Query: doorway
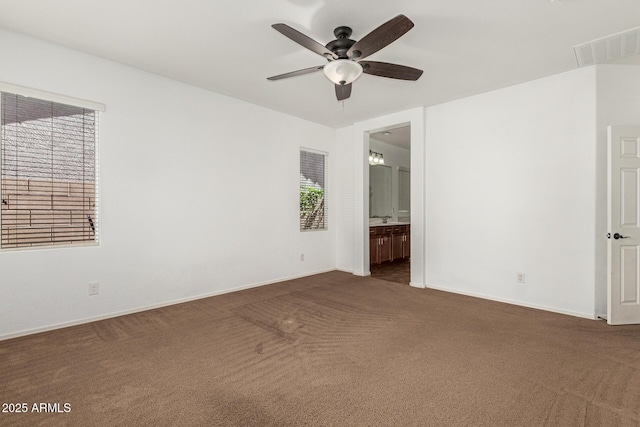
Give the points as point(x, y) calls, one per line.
point(416, 119)
point(390, 204)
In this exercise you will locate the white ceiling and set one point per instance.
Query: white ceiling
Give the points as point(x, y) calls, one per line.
point(228, 46)
point(400, 136)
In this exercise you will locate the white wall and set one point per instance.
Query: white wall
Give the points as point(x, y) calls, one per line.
point(618, 94)
point(511, 187)
point(516, 182)
point(199, 195)
point(345, 209)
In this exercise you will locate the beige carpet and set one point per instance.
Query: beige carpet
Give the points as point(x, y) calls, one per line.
point(329, 350)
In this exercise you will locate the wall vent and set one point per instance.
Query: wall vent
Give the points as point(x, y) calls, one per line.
point(609, 48)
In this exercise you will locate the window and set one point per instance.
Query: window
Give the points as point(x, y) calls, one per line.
point(313, 190)
point(48, 173)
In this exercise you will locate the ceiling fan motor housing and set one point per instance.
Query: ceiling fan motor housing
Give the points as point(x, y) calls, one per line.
point(341, 45)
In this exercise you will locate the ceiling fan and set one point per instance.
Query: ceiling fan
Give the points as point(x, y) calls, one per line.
point(346, 56)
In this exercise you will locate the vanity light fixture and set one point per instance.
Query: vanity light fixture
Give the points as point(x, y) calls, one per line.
point(375, 158)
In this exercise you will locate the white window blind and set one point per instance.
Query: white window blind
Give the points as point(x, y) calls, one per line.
point(48, 174)
point(313, 190)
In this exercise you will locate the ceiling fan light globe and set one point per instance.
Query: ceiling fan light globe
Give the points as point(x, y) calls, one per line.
point(342, 71)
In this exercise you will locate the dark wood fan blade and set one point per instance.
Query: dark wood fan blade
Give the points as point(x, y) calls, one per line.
point(296, 73)
point(393, 71)
point(304, 41)
point(382, 36)
point(343, 91)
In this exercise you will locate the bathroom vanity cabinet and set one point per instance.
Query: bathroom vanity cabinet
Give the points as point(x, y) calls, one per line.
point(389, 242)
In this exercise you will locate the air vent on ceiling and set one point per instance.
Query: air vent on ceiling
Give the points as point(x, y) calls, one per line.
point(610, 48)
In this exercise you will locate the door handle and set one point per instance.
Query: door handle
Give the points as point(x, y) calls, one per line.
point(620, 236)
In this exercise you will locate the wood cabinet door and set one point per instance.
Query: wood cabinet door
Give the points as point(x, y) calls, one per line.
point(385, 248)
point(374, 251)
point(397, 246)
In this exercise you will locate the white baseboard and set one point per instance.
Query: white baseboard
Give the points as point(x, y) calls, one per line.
point(365, 274)
point(519, 303)
point(152, 307)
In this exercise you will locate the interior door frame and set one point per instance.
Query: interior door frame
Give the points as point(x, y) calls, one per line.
point(416, 119)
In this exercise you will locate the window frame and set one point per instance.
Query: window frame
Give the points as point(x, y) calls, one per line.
point(75, 102)
point(325, 196)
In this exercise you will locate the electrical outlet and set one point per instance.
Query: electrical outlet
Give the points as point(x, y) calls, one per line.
point(520, 277)
point(94, 288)
point(301, 257)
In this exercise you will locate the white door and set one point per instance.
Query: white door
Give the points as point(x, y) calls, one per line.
point(623, 216)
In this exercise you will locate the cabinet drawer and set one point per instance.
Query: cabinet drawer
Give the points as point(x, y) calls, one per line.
point(381, 230)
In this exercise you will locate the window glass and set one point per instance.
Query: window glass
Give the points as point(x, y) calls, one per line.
point(313, 190)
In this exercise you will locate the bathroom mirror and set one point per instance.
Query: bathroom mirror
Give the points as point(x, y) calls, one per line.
point(380, 194)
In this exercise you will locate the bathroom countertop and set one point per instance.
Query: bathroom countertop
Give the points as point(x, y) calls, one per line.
point(380, 224)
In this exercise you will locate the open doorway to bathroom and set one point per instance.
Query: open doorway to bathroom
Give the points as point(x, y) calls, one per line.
point(390, 204)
